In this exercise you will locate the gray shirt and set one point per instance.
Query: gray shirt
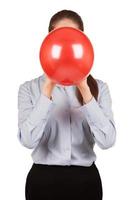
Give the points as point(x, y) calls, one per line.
point(60, 130)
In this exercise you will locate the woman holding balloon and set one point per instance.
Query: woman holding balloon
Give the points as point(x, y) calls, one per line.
point(63, 114)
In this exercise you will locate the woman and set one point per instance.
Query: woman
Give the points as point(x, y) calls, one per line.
point(62, 125)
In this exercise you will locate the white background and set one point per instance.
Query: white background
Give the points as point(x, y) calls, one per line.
point(108, 23)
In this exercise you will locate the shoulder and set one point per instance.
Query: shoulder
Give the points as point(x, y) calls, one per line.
point(101, 84)
point(102, 87)
point(29, 84)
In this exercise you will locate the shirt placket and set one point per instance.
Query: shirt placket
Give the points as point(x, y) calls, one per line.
point(68, 135)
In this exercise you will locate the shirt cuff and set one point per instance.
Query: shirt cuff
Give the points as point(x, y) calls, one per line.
point(94, 113)
point(43, 106)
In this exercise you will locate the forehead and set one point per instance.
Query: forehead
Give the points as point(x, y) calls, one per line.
point(66, 22)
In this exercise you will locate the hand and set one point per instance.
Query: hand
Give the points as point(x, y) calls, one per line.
point(47, 87)
point(49, 82)
point(82, 84)
point(85, 90)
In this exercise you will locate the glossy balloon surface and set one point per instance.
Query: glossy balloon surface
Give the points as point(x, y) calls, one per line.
point(66, 55)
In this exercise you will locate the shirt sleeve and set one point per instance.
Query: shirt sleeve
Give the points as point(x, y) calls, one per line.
point(32, 119)
point(99, 116)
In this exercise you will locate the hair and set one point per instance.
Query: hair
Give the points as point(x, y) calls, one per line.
point(75, 17)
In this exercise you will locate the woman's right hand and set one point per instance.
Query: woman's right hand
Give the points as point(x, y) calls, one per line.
point(48, 87)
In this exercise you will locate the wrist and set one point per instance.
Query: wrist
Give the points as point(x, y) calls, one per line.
point(86, 94)
point(47, 91)
point(87, 100)
point(84, 89)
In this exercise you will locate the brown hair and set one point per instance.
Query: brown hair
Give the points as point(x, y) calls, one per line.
point(69, 14)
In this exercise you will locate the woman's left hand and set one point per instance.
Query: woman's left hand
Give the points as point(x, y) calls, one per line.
point(85, 90)
point(82, 84)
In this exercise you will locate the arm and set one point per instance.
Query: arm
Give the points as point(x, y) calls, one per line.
point(32, 119)
point(99, 116)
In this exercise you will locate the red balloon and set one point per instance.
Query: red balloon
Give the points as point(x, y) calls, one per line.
point(66, 55)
